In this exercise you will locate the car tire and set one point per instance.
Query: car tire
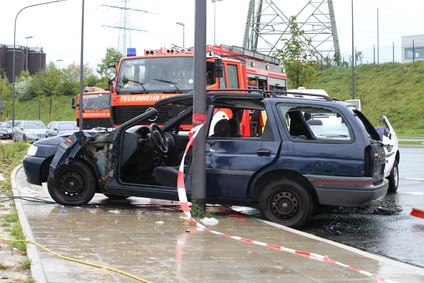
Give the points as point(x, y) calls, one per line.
point(73, 184)
point(394, 178)
point(286, 202)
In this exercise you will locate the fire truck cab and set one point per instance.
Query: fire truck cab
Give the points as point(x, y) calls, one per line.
point(96, 108)
point(137, 82)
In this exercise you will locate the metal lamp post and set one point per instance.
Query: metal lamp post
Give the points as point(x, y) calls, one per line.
point(58, 63)
point(353, 56)
point(182, 24)
point(14, 55)
point(81, 86)
point(214, 20)
point(26, 55)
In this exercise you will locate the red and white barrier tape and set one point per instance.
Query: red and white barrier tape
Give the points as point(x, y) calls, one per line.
point(186, 209)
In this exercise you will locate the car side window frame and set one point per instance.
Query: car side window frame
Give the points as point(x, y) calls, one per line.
point(258, 131)
point(336, 131)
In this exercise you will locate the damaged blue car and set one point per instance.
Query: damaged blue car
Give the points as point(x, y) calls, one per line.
point(285, 155)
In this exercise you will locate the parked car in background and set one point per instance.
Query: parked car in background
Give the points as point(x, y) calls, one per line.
point(29, 130)
point(272, 158)
point(6, 130)
point(55, 128)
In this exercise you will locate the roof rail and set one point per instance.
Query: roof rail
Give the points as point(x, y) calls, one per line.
point(240, 52)
point(273, 93)
point(277, 93)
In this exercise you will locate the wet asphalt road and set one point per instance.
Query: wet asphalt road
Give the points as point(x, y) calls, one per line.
point(385, 227)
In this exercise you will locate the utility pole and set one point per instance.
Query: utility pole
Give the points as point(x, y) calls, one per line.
point(199, 105)
point(26, 55)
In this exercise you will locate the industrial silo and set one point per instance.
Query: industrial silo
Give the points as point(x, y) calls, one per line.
point(36, 61)
point(19, 62)
point(2, 63)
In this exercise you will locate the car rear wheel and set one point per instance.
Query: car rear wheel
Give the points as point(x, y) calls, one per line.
point(394, 178)
point(73, 184)
point(286, 202)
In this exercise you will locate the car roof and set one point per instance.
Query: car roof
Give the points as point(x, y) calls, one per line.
point(63, 122)
point(224, 98)
point(242, 98)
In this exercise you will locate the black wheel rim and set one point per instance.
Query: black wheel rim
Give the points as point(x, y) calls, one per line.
point(285, 205)
point(71, 183)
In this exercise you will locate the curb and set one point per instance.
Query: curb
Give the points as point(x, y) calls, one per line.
point(379, 258)
point(37, 270)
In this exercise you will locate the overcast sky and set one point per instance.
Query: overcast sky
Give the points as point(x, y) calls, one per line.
point(56, 27)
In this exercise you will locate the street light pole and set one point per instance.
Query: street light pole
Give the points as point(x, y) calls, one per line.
point(81, 86)
point(26, 55)
point(353, 56)
point(14, 55)
point(59, 60)
point(182, 24)
point(214, 20)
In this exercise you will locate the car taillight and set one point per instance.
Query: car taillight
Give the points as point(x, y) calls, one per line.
point(375, 161)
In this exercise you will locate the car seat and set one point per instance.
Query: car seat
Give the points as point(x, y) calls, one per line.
point(222, 129)
point(234, 127)
point(166, 175)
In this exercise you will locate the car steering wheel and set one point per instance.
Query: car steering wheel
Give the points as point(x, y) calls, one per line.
point(158, 139)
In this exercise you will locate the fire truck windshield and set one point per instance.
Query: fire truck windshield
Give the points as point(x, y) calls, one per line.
point(155, 74)
point(100, 101)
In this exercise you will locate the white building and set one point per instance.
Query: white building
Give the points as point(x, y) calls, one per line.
point(412, 48)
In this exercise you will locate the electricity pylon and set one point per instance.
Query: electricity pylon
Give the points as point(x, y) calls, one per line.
point(267, 25)
point(124, 39)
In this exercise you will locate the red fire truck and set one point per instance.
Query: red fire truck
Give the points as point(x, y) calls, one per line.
point(137, 82)
point(261, 71)
point(96, 112)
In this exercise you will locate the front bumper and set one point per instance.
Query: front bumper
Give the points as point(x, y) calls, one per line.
point(36, 169)
point(5, 136)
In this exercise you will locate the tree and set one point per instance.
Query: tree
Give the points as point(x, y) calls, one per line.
point(298, 57)
point(71, 79)
point(112, 54)
point(23, 87)
point(6, 97)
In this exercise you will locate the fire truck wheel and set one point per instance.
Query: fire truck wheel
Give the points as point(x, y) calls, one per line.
point(73, 184)
point(158, 139)
point(286, 202)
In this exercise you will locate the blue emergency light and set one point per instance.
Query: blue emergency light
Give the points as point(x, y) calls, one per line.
point(131, 51)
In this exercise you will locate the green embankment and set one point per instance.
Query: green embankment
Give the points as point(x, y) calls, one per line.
point(393, 89)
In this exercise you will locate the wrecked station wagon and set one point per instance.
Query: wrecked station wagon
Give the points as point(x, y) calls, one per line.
point(286, 156)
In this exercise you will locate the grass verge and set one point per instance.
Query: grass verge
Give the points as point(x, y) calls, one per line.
point(11, 155)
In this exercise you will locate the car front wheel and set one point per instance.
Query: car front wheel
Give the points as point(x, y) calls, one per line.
point(286, 202)
point(73, 184)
